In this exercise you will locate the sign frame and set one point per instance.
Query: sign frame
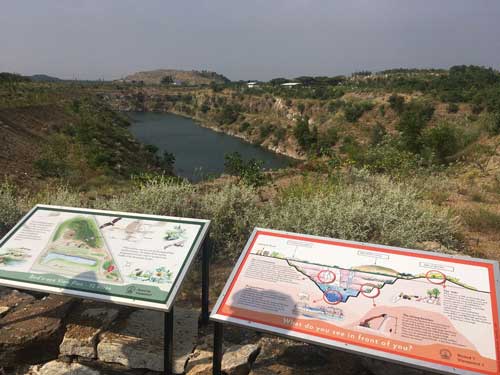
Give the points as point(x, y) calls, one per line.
point(174, 290)
point(220, 320)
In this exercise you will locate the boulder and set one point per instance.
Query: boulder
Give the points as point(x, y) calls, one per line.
point(287, 357)
point(10, 298)
point(200, 363)
point(31, 332)
point(137, 342)
point(62, 368)
point(238, 359)
point(84, 326)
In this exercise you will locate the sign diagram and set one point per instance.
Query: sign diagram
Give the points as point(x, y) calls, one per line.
point(132, 259)
point(414, 307)
point(78, 248)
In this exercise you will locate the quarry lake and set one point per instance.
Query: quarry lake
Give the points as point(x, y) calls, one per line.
point(199, 152)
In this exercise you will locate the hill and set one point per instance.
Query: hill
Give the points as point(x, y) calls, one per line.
point(80, 143)
point(184, 77)
point(44, 78)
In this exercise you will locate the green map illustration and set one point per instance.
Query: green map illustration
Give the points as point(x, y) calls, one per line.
point(77, 249)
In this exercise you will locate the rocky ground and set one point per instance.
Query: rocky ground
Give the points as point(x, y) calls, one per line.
point(55, 335)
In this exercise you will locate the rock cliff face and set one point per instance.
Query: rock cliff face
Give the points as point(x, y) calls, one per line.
point(260, 120)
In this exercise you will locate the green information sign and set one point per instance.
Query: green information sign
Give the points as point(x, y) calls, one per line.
point(130, 259)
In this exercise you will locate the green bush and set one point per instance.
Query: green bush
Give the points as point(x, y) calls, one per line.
point(264, 131)
point(10, 212)
point(305, 137)
point(397, 103)
point(443, 141)
point(377, 134)
point(157, 196)
point(250, 172)
point(363, 207)
point(356, 206)
point(453, 108)
point(354, 110)
point(228, 114)
point(412, 123)
point(388, 157)
point(335, 105)
point(280, 133)
point(244, 126)
point(482, 220)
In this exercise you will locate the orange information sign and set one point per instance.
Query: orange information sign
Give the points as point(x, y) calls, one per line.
point(418, 308)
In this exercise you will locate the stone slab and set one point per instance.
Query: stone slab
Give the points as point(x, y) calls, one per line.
point(32, 332)
point(137, 342)
point(84, 326)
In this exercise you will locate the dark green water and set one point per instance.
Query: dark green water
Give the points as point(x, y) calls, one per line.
point(199, 152)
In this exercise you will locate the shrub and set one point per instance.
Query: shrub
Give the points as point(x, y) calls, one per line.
point(388, 157)
point(301, 107)
point(453, 108)
point(158, 196)
point(354, 110)
point(280, 133)
point(305, 137)
point(204, 108)
point(335, 105)
point(264, 131)
point(377, 134)
point(477, 108)
point(244, 126)
point(250, 172)
point(413, 121)
point(397, 103)
point(364, 208)
point(482, 220)
point(443, 141)
point(228, 114)
point(9, 210)
point(235, 210)
point(494, 123)
point(352, 148)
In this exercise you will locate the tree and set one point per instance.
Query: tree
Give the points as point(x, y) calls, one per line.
point(435, 292)
point(377, 134)
point(397, 103)
point(443, 141)
point(168, 161)
point(250, 172)
point(167, 80)
point(412, 123)
point(305, 137)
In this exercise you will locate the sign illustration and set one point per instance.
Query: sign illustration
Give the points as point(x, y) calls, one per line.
point(128, 258)
point(421, 308)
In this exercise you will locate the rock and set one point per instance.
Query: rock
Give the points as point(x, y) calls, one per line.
point(31, 332)
point(287, 357)
point(137, 342)
point(62, 368)
point(238, 359)
point(84, 326)
point(200, 363)
point(10, 298)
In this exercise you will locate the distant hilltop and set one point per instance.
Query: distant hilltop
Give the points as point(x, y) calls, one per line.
point(178, 77)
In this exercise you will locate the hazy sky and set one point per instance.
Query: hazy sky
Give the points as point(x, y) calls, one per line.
point(244, 39)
